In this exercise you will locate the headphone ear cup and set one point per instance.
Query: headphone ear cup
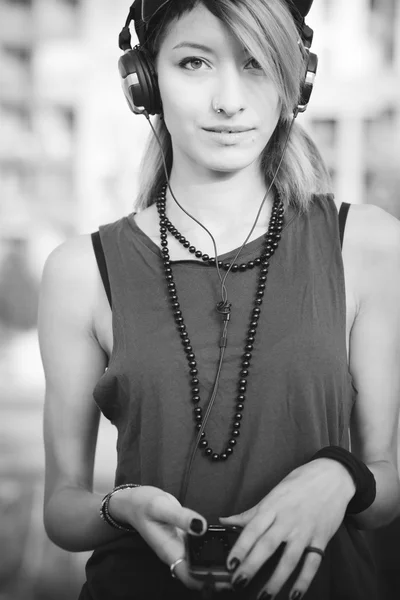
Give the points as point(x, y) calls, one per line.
point(150, 76)
point(308, 82)
point(139, 82)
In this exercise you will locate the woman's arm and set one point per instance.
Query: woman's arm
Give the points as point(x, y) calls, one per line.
point(71, 295)
point(73, 363)
point(373, 240)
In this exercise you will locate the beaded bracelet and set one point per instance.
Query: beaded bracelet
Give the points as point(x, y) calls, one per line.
point(104, 509)
point(363, 478)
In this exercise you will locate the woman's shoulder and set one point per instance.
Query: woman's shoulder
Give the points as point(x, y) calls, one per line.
point(72, 258)
point(70, 271)
point(372, 230)
point(371, 250)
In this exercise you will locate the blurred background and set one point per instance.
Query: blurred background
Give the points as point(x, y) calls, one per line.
point(69, 154)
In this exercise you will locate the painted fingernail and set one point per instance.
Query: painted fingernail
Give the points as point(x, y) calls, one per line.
point(233, 564)
point(196, 525)
point(239, 583)
point(296, 596)
point(265, 596)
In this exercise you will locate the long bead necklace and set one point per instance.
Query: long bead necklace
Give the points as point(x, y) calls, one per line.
point(270, 244)
point(235, 268)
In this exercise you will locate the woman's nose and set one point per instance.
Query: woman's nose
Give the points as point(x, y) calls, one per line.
point(229, 96)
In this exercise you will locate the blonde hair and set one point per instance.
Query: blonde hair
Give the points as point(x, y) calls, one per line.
point(267, 30)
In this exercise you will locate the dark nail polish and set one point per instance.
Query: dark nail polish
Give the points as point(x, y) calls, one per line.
point(233, 564)
point(239, 583)
point(196, 525)
point(296, 596)
point(265, 596)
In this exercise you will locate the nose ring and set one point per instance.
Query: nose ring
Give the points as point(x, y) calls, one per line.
point(216, 109)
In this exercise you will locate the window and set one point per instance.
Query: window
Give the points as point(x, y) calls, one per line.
point(383, 26)
point(22, 54)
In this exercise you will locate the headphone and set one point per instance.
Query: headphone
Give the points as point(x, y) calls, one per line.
point(138, 76)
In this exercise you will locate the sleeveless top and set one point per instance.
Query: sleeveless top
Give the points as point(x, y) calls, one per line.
point(299, 393)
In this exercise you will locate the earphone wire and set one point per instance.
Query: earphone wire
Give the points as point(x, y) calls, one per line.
point(223, 339)
point(223, 288)
point(222, 279)
point(263, 200)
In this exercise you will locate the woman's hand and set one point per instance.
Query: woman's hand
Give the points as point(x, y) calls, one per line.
point(304, 509)
point(163, 523)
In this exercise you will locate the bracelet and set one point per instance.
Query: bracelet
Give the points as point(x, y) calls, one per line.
point(104, 509)
point(363, 478)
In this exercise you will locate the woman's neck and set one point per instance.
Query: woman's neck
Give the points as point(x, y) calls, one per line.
point(228, 201)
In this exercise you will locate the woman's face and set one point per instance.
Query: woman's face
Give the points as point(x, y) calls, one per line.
point(200, 63)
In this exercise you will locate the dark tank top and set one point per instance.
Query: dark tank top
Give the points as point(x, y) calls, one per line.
point(299, 393)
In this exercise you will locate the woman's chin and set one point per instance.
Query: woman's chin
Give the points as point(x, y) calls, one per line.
point(229, 164)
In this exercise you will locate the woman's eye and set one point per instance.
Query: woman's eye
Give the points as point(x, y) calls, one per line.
point(254, 64)
point(195, 63)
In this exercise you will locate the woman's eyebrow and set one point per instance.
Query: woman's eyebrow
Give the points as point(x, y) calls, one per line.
point(202, 47)
point(193, 45)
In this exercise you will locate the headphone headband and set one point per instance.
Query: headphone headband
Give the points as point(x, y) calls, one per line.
point(142, 11)
point(148, 8)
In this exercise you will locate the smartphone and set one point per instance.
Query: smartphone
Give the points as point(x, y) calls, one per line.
point(208, 553)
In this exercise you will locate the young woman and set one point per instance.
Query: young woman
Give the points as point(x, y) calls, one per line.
point(287, 348)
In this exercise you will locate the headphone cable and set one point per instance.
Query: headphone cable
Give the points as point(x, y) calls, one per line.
point(223, 307)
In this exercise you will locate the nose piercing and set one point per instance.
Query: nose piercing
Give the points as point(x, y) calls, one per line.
point(216, 109)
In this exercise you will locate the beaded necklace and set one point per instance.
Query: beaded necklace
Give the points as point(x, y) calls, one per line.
point(270, 244)
point(227, 266)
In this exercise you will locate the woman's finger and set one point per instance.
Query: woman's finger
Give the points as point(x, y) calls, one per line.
point(166, 540)
point(163, 509)
point(263, 550)
point(168, 543)
point(257, 527)
point(288, 561)
point(312, 562)
point(178, 568)
point(241, 519)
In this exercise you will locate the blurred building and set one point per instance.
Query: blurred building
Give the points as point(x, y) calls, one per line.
point(355, 111)
point(69, 158)
point(38, 133)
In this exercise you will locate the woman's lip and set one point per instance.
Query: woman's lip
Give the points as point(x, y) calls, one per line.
point(225, 138)
point(228, 130)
